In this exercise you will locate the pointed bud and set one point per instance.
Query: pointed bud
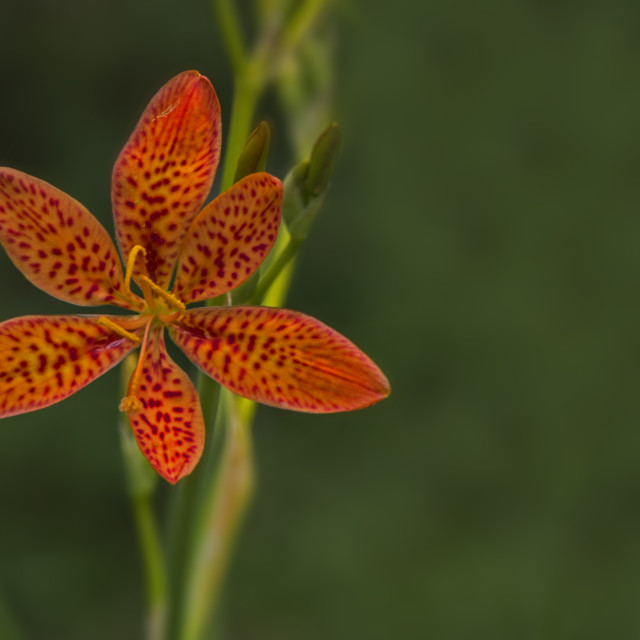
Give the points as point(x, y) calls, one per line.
point(322, 161)
point(254, 155)
point(306, 184)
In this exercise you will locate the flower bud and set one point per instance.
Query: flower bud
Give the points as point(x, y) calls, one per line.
point(306, 183)
point(254, 155)
point(322, 162)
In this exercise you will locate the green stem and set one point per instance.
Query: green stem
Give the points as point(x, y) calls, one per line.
point(154, 565)
point(187, 505)
point(224, 506)
point(301, 21)
point(283, 258)
point(247, 90)
point(229, 26)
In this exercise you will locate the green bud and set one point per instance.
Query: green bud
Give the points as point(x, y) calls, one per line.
point(254, 155)
point(306, 184)
point(322, 161)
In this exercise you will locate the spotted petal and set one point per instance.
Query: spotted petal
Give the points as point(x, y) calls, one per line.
point(169, 426)
point(281, 358)
point(165, 171)
point(57, 244)
point(229, 238)
point(44, 359)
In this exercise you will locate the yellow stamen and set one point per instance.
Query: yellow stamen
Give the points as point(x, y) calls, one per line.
point(116, 328)
point(131, 260)
point(131, 403)
point(174, 301)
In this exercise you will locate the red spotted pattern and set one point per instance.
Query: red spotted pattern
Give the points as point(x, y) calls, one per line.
point(169, 428)
point(160, 181)
point(57, 244)
point(44, 359)
point(281, 358)
point(229, 239)
point(165, 171)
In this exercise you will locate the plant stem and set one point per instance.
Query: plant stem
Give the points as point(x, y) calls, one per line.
point(247, 89)
point(188, 504)
point(154, 565)
point(301, 21)
point(231, 33)
point(284, 257)
point(224, 506)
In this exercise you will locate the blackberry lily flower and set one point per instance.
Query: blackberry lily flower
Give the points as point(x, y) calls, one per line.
point(160, 182)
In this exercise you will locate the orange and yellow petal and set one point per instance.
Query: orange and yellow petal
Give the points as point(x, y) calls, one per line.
point(229, 239)
point(165, 414)
point(44, 359)
point(165, 171)
point(57, 244)
point(281, 358)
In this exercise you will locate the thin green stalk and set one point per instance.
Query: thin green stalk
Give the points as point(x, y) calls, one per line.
point(279, 290)
point(247, 90)
point(187, 504)
point(284, 257)
point(153, 560)
point(301, 21)
point(231, 32)
point(225, 504)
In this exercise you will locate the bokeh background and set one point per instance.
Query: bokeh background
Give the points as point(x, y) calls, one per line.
point(480, 242)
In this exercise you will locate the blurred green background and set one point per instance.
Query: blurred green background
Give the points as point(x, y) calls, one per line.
point(479, 242)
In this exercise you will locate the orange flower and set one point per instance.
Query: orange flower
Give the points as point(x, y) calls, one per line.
point(160, 182)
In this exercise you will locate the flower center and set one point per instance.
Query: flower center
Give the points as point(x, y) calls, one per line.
point(161, 306)
point(159, 302)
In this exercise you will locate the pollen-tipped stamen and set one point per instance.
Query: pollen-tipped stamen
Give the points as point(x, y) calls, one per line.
point(116, 328)
point(174, 301)
point(131, 260)
point(131, 403)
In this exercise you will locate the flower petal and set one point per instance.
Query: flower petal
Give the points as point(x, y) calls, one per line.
point(229, 239)
point(57, 244)
point(165, 171)
point(169, 427)
point(281, 358)
point(44, 359)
